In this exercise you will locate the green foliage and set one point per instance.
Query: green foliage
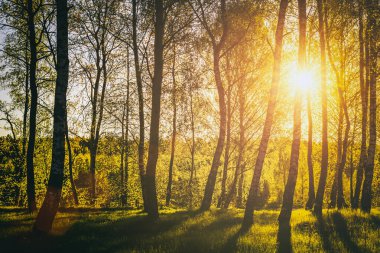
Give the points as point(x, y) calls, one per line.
point(108, 174)
point(11, 162)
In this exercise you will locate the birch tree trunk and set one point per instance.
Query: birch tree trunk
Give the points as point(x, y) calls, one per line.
point(174, 135)
point(217, 47)
point(150, 176)
point(324, 159)
point(50, 205)
point(287, 202)
point(364, 105)
point(30, 188)
point(366, 201)
point(141, 149)
point(311, 193)
point(254, 188)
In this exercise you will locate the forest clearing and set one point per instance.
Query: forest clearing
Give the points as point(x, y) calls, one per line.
point(186, 231)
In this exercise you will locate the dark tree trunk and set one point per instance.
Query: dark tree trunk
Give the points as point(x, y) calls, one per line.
point(30, 188)
point(352, 161)
point(93, 144)
point(73, 189)
point(364, 105)
point(368, 174)
point(24, 127)
point(334, 186)
point(210, 185)
point(150, 176)
point(192, 169)
point(227, 149)
point(232, 191)
point(239, 163)
point(217, 47)
point(124, 165)
point(93, 152)
point(340, 197)
point(124, 190)
point(337, 188)
point(281, 166)
point(97, 106)
point(287, 201)
point(254, 189)
point(18, 162)
point(171, 163)
point(311, 194)
point(324, 161)
point(49, 207)
point(122, 150)
point(141, 149)
point(239, 197)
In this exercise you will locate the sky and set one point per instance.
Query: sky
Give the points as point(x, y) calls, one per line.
point(4, 96)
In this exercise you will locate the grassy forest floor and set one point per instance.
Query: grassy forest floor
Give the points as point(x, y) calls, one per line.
point(184, 231)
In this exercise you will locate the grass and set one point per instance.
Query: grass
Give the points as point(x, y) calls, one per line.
point(183, 231)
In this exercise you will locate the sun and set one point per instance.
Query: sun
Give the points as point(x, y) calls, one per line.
point(304, 80)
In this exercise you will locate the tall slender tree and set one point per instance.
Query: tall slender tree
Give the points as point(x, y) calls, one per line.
point(324, 159)
point(125, 145)
point(237, 179)
point(25, 25)
point(174, 134)
point(336, 196)
point(364, 107)
point(192, 148)
point(18, 77)
point(255, 184)
point(30, 189)
point(287, 202)
point(50, 205)
point(228, 137)
point(334, 187)
point(217, 46)
point(366, 201)
point(150, 176)
point(141, 146)
point(311, 192)
point(71, 161)
point(93, 29)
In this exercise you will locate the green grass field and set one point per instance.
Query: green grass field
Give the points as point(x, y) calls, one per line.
point(183, 231)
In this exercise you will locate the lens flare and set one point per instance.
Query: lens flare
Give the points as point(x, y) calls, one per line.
point(303, 80)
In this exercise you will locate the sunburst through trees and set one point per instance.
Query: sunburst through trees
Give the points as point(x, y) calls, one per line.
point(161, 106)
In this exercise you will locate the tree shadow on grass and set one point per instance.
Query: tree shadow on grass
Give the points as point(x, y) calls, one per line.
point(262, 219)
point(131, 233)
point(375, 221)
point(231, 244)
point(222, 221)
point(5, 224)
point(5, 210)
point(217, 236)
point(105, 232)
point(340, 226)
point(167, 235)
point(324, 232)
point(265, 218)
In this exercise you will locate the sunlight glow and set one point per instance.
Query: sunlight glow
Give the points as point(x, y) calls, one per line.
point(302, 79)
